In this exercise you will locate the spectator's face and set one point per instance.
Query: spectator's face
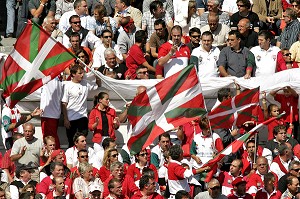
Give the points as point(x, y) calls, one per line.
point(78, 76)
point(287, 18)
point(83, 157)
point(159, 12)
point(262, 166)
point(82, 9)
point(159, 30)
point(207, 41)
point(113, 157)
point(142, 156)
point(75, 42)
point(235, 168)
point(50, 26)
point(60, 185)
point(117, 190)
point(107, 39)
point(2, 195)
point(214, 189)
point(293, 188)
point(281, 135)
point(82, 57)
point(234, 42)
point(50, 145)
point(295, 171)
point(250, 148)
point(211, 6)
point(81, 143)
point(164, 143)
point(111, 60)
point(98, 16)
point(241, 6)
point(142, 73)
point(25, 175)
point(263, 42)
point(151, 186)
point(176, 36)
point(76, 24)
point(195, 38)
point(119, 5)
point(213, 23)
point(286, 56)
point(28, 132)
point(59, 158)
point(88, 174)
point(241, 189)
point(296, 7)
point(118, 173)
point(242, 27)
point(58, 171)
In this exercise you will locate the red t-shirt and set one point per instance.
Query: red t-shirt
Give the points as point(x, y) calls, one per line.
point(135, 58)
point(104, 173)
point(286, 103)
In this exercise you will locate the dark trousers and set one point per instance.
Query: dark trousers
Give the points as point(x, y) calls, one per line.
point(79, 125)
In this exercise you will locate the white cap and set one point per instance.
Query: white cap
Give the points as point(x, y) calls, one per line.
point(95, 187)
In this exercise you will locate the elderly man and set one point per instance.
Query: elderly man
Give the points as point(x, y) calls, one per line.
point(290, 33)
point(147, 188)
point(27, 150)
point(87, 38)
point(281, 162)
point(249, 37)
point(49, 25)
point(294, 170)
point(213, 7)
point(98, 55)
point(126, 182)
point(233, 58)
point(207, 56)
point(111, 64)
point(219, 31)
point(213, 192)
point(264, 57)
point(244, 12)
point(292, 188)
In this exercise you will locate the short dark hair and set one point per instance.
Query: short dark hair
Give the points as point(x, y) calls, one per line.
point(111, 183)
point(74, 34)
point(140, 36)
point(160, 21)
point(100, 9)
point(54, 164)
point(282, 149)
point(268, 177)
point(207, 33)
point(192, 30)
point(82, 151)
point(295, 1)
point(223, 92)
point(266, 34)
point(236, 33)
point(278, 128)
point(154, 5)
point(289, 180)
point(175, 151)
point(165, 134)
point(106, 142)
point(126, 2)
point(176, 27)
point(245, 2)
point(182, 194)
point(74, 16)
point(74, 68)
point(77, 135)
point(144, 181)
point(77, 3)
point(140, 67)
point(105, 31)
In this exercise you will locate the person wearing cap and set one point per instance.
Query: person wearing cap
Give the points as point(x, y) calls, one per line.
point(292, 188)
point(95, 191)
point(147, 189)
point(239, 189)
point(226, 178)
point(269, 190)
point(59, 188)
point(72, 152)
point(213, 192)
point(281, 163)
point(23, 174)
point(27, 150)
point(255, 180)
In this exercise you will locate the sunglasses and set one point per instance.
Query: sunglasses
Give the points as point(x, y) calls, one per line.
point(195, 36)
point(143, 154)
point(287, 54)
point(297, 170)
point(84, 156)
point(241, 6)
point(159, 29)
point(76, 22)
point(114, 155)
point(144, 72)
point(107, 37)
point(215, 188)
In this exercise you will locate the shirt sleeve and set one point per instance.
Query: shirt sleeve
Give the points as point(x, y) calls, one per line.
point(222, 59)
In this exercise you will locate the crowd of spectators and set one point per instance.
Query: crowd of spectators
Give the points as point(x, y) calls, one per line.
point(132, 40)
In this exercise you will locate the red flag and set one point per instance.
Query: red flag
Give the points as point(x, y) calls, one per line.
point(172, 102)
point(233, 148)
point(237, 110)
point(36, 59)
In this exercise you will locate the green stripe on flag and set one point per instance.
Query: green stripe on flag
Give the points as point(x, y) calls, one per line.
point(249, 114)
point(13, 78)
point(34, 42)
point(18, 95)
point(241, 101)
point(185, 112)
point(138, 110)
point(55, 60)
point(136, 147)
point(183, 75)
point(225, 119)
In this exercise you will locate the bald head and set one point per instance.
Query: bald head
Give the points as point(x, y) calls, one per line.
point(213, 182)
point(244, 26)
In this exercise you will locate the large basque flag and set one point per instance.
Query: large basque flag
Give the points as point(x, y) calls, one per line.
point(237, 110)
point(170, 103)
point(36, 59)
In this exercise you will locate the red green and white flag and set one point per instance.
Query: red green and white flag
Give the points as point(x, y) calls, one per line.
point(236, 111)
point(36, 59)
point(233, 148)
point(170, 103)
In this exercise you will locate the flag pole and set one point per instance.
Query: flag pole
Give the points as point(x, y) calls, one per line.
point(93, 71)
point(255, 147)
point(1, 91)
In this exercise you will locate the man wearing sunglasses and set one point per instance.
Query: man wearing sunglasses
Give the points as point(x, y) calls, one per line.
point(294, 170)
point(213, 191)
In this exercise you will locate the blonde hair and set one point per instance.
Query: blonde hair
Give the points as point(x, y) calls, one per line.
point(107, 154)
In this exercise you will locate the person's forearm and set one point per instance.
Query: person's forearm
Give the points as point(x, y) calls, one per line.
point(37, 13)
point(164, 59)
point(16, 157)
point(223, 72)
point(64, 110)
